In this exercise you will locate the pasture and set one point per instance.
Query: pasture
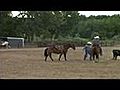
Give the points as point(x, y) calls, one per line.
point(28, 63)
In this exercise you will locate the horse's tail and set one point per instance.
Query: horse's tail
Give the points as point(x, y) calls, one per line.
point(45, 52)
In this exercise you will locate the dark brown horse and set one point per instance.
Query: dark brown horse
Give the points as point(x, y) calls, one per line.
point(58, 49)
point(96, 51)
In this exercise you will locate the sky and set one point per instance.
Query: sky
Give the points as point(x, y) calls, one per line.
point(86, 13)
point(15, 13)
point(95, 13)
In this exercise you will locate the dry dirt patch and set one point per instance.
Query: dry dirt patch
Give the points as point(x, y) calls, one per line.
point(28, 63)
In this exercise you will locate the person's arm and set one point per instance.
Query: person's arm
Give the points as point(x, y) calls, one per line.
point(84, 47)
point(100, 43)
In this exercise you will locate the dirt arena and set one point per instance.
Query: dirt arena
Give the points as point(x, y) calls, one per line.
point(28, 63)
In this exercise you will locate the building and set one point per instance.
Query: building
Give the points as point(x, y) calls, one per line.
point(14, 42)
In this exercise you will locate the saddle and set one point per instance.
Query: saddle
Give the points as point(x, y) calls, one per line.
point(58, 47)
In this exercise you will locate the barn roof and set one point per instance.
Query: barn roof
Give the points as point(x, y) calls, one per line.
point(14, 38)
point(11, 38)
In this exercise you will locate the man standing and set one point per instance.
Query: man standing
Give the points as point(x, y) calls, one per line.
point(88, 50)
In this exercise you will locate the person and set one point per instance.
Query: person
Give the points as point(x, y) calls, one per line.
point(6, 44)
point(96, 42)
point(88, 50)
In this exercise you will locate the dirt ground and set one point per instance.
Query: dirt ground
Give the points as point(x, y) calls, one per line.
point(28, 63)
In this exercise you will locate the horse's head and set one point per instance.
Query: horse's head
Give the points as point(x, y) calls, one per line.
point(72, 46)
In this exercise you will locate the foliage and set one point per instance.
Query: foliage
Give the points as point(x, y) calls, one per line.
point(36, 26)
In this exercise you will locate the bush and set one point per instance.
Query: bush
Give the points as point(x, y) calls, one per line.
point(107, 43)
point(116, 37)
point(76, 41)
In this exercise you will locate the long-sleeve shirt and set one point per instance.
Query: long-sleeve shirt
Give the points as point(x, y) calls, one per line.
point(87, 48)
point(96, 42)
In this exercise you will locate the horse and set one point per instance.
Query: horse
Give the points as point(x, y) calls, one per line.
point(116, 53)
point(95, 52)
point(58, 49)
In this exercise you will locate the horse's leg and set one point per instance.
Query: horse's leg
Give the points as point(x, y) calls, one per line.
point(65, 56)
point(100, 51)
point(50, 55)
point(60, 56)
point(46, 58)
point(93, 57)
point(46, 53)
point(115, 57)
point(97, 56)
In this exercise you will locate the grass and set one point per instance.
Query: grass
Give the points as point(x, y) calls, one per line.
point(28, 63)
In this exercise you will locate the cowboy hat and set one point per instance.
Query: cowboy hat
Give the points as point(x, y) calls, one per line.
point(97, 37)
point(89, 43)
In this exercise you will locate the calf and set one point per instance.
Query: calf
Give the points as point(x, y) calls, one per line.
point(116, 53)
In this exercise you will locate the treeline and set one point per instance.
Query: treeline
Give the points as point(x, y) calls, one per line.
point(36, 26)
